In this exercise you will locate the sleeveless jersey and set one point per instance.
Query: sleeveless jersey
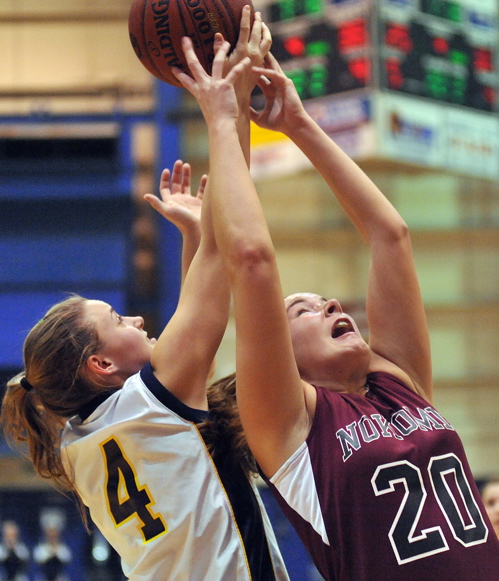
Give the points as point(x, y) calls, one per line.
point(154, 491)
point(381, 489)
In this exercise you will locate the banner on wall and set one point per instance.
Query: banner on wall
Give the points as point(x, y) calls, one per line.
point(472, 143)
point(398, 128)
point(437, 135)
point(347, 120)
point(410, 130)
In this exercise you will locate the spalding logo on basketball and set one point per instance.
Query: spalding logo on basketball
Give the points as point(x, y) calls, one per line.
point(156, 30)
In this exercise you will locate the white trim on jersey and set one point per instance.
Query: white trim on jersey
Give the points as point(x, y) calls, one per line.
point(296, 484)
point(185, 529)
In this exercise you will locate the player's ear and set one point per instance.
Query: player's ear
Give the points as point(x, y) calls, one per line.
point(100, 365)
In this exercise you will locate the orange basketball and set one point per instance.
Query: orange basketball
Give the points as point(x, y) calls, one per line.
point(156, 28)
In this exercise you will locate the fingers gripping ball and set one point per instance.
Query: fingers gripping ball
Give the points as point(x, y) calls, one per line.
point(156, 28)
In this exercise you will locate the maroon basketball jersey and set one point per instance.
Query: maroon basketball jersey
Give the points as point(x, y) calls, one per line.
point(382, 489)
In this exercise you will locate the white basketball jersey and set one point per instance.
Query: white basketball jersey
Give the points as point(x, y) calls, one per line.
point(153, 490)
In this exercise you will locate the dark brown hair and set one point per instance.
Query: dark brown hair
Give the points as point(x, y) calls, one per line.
point(223, 432)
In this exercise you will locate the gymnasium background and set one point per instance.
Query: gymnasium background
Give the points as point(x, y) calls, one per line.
point(407, 87)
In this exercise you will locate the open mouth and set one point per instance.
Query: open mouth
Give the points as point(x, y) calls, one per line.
point(341, 327)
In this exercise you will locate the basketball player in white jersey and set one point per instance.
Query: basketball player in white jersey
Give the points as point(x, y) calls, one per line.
point(131, 449)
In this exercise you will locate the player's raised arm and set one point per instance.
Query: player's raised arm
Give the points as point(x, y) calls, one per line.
point(201, 316)
point(397, 324)
point(270, 392)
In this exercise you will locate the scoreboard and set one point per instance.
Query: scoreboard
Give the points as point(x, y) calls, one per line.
point(443, 50)
point(324, 50)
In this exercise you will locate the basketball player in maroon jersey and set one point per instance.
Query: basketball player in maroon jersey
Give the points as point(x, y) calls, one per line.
point(373, 478)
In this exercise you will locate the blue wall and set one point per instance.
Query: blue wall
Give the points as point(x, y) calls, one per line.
point(66, 212)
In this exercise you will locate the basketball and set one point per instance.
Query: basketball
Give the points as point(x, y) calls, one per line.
point(156, 28)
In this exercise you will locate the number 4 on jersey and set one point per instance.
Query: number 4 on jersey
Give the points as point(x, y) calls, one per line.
point(126, 498)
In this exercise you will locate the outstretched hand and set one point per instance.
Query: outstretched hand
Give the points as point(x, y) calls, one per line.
point(283, 106)
point(216, 94)
point(177, 204)
point(253, 42)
